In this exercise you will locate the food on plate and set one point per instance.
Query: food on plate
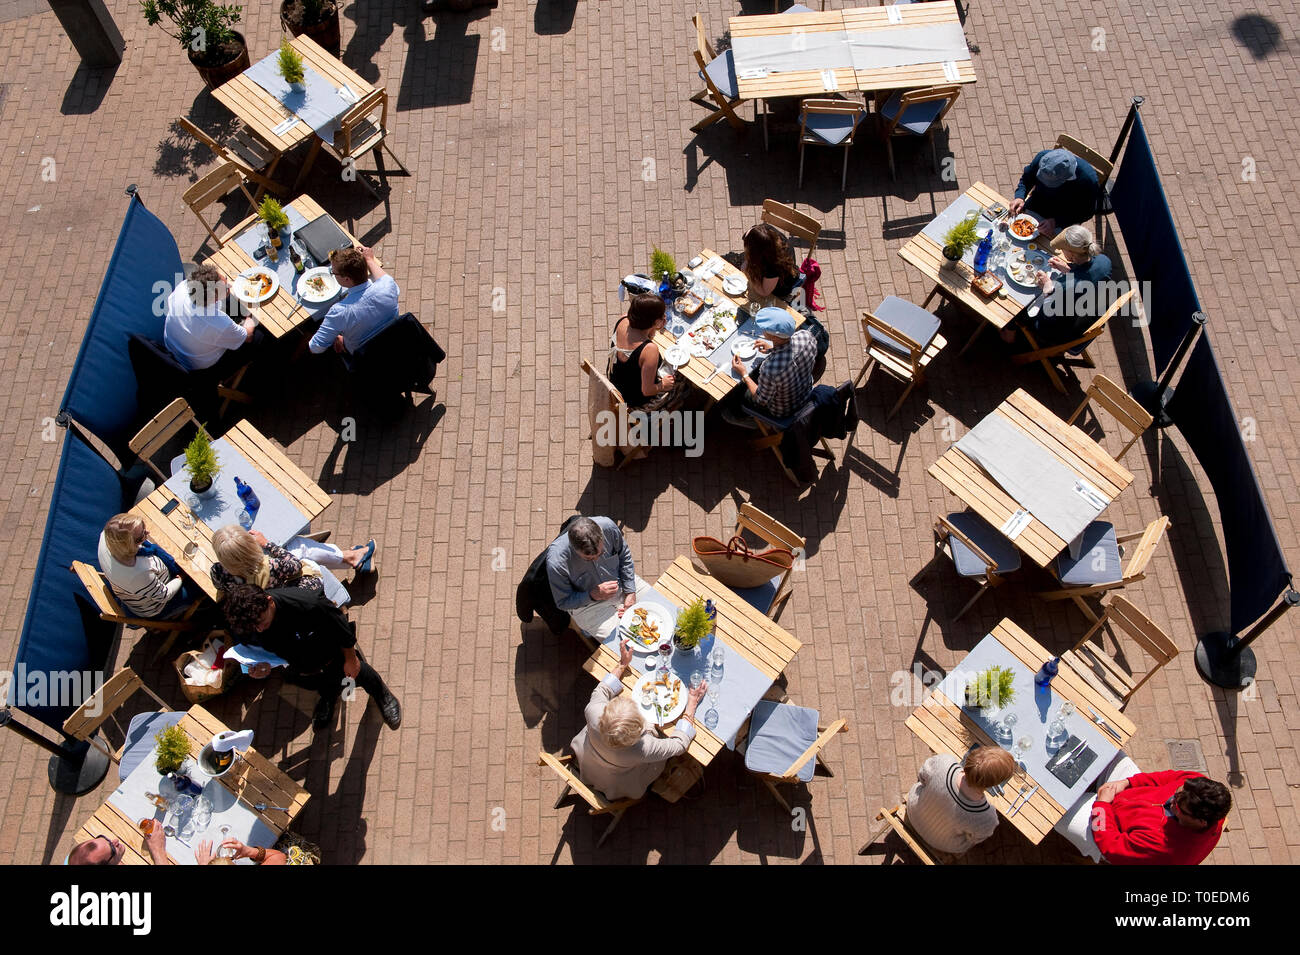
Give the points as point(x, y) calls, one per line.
point(316, 283)
point(1024, 227)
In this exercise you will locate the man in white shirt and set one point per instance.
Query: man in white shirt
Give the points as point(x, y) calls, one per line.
point(368, 305)
point(198, 332)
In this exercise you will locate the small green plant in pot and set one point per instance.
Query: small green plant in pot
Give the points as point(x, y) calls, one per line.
point(201, 463)
point(274, 218)
point(991, 689)
point(203, 28)
point(661, 264)
point(957, 240)
point(173, 749)
point(693, 625)
point(290, 65)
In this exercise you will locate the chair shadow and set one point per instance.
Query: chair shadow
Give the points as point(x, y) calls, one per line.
point(554, 17)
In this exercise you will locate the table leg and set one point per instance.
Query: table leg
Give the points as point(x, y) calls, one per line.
point(979, 330)
point(312, 152)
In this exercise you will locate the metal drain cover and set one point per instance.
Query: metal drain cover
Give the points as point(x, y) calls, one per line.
point(1185, 755)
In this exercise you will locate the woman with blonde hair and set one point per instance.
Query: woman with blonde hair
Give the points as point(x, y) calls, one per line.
point(144, 577)
point(617, 753)
point(1073, 293)
point(248, 557)
point(947, 807)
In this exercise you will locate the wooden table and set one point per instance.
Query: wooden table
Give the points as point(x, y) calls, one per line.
point(282, 313)
point(848, 79)
point(945, 728)
point(743, 629)
point(253, 779)
point(287, 477)
point(262, 112)
point(1084, 456)
point(699, 369)
point(925, 254)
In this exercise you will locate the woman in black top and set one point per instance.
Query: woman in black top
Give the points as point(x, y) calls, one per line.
point(769, 263)
point(636, 358)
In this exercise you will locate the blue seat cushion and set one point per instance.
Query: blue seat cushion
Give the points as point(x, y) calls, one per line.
point(912, 320)
point(760, 597)
point(919, 116)
point(722, 71)
point(1099, 560)
point(778, 735)
point(832, 128)
point(988, 539)
point(139, 738)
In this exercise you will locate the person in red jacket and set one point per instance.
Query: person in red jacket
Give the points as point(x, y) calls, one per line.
point(1169, 818)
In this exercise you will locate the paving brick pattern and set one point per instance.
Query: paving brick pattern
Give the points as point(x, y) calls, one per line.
point(550, 148)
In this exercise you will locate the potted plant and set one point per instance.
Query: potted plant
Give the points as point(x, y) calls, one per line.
point(173, 749)
point(273, 217)
point(204, 29)
point(991, 689)
point(693, 625)
point(961, 237)
point(318, 19)
point(290, 65)
point(661, 264)
point(202, 465)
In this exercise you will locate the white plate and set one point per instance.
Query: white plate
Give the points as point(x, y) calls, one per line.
point(308, 294)
point(254, 296)
point(744, 349)
point(677, 355)
point(654, 613)
point(1023, 217)
point(699, 349)
point(735, 285)
point(672, 701)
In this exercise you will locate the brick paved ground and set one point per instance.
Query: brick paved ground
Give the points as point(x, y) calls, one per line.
point(531, 140)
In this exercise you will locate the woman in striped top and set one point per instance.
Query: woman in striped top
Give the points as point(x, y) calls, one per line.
point(143, 575)
point(947, 807)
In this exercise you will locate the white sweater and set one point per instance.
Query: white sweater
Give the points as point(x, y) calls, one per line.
point(144, 587)
point(941, 815)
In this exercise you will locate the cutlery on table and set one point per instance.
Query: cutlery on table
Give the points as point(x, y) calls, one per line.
point(712, 374)
point(1103, 724)
point(1073, 753)
point(261, 807)
point(1016, 809)
point(1023, 790)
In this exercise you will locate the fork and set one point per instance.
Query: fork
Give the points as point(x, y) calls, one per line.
point(1012, 808)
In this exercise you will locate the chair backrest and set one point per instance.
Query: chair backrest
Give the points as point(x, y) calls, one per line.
point(914, 348)
point(1132, 417)
point(212, 187)
point(792, 221)
point(1136, 625)
point(104, 702)
point(100, 591)
point(217, 148)
point(831, 107)
point(1089, 155)
point(771, 531)
point(944, 529)
point(1146, 546)
point(357, 119)
point(602, 398)
point(791, 775)
point(593, 798)
point(162, 428)
point(929, 94)
point(704, 54)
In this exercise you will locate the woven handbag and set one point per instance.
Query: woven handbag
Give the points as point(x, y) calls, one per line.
point(736, 565)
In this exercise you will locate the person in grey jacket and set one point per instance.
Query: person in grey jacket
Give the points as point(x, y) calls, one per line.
point(592, 575)
point(617, 753)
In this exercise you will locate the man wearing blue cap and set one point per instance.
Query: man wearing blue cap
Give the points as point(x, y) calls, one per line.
point(1059, 188)
point(780, 383)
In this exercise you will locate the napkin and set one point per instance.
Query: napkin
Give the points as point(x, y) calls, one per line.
point(1090, 494)
point(346, 94)
point(895, 14)
point(1069, 772)
point(829, 82)
point(281, 128)
point(227, 740)
point(1016, 523)
point(249, 656)
point(754, 73)
point(950, 71)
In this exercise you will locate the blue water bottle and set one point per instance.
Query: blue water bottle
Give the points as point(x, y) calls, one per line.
point(666, 289)
point(982, 253)
point(712, 613)
point(1043, 679)
point(251, 503)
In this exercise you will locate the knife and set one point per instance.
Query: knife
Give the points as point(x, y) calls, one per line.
point(1073, 753)
point(1017, 808)
point(1104, 725)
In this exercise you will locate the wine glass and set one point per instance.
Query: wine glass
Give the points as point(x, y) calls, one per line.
point(222, 851)
point(711, 717)
point(1005, 728)
point(1023, 745)
point(665, 651)
point(202, 812)
point(1056, 733)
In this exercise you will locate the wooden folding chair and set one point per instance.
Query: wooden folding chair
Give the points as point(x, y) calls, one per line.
point(110, 609)
point(896, 819)
point(1089, 155)
point(605, 404)
point(1105, 578)
point(1105, 673)
point(102, 704)
point(790, 775)
point(894, 350)
point(213, 186)
point(1078, 347)
point(255, 160)
point(916, 113)
point(977, 550)
point(829, 122)
point(597, 804)
point(359, 132)
point(792, 221)
point(164, 426)
point(773, 534)
point(719, 75)
point(772, 431)
point(1130, 415)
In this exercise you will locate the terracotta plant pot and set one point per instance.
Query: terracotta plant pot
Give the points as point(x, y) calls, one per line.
point(326, 33)
point(215, 76)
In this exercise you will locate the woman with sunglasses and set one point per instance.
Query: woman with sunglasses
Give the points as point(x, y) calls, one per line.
point(144, 577)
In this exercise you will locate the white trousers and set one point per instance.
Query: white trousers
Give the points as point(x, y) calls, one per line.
point(323, 556)
point(1076, 825)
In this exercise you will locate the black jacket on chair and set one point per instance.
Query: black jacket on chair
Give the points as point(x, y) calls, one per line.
point(534, 591)
point(401, 359)
point(828, 413)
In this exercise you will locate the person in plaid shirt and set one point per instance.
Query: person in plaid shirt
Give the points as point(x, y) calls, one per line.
point(782, 382)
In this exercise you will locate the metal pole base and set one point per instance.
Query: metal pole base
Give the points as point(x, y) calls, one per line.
point(80, 769)
point(1218, 665)
point(1150, 397)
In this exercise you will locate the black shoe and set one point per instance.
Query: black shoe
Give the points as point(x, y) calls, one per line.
point(323, 717)
point(391, 709)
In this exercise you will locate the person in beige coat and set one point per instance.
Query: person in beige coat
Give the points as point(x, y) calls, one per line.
point(618, 754)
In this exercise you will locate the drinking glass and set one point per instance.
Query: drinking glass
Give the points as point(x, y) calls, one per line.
point(1023, 745)
point(665, 651)
point(1067, 709)
point(1005, 728)
point(222, 851)
point(147, 826)
point(696, 679)
point(1056, 733)
point(202, 812)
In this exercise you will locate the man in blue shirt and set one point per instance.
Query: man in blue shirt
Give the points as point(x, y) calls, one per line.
point(591, 574)
point(368, 305)
point(1065, 190)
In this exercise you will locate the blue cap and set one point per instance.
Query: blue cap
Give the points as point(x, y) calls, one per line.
point(775, 320)
point(1056, 167)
